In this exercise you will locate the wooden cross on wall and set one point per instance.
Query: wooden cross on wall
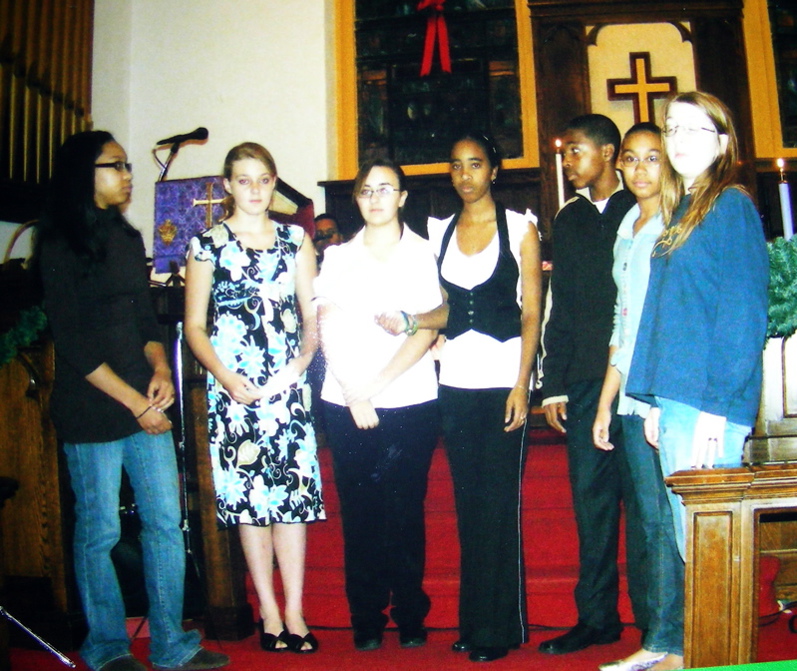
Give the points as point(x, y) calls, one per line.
point(641, 88)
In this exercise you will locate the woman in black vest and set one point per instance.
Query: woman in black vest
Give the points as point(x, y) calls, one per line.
point(489, 266)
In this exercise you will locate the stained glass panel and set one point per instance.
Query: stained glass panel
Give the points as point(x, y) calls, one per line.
point(412, 118)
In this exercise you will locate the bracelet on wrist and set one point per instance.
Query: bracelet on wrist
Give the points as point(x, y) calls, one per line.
point(149, 407)
point(411, 327)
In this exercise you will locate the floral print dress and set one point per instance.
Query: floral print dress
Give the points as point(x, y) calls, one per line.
point(265, 467)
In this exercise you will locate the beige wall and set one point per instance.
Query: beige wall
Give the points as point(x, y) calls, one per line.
point(670, 56)
point(245, 69)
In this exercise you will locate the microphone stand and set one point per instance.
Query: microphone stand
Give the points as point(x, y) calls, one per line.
point(165, 166)
point(61, 656)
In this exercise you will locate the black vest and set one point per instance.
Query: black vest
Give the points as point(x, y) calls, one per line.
point(491, 307)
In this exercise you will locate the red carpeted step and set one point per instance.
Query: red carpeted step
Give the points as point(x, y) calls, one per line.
point(549, 534)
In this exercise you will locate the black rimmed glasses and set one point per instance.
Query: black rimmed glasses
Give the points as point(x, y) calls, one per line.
point(119, 166)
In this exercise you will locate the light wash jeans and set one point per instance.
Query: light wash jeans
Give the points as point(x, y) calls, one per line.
point(96, 472)
point(676, 429)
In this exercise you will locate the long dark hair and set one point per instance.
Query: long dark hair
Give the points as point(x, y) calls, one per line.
point(70, 212)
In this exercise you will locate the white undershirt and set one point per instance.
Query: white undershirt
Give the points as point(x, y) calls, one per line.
point(475, 360)
point(363, 286)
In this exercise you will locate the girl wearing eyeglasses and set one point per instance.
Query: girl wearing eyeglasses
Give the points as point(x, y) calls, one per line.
point(380, 406)
point(640, 160)
point(259, 275)
point(698, 351)
point(113, 385)
point(489, 267)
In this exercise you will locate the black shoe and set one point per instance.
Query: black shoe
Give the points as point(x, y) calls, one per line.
point(461, 645)
point(367, 640)
point(296, 643)
point(272, 642)
point(480, 654)
point(412, 637)
point(123, 663)
point(203, 660)
point(579, 637)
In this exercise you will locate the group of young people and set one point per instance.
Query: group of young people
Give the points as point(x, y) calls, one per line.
point(384, 306)
point(680, 255)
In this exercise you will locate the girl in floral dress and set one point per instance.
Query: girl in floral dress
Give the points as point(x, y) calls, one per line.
point(259, 274)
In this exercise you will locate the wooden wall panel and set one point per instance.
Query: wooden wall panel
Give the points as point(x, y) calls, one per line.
point(45, 93)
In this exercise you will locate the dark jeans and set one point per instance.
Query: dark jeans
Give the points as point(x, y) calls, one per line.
point(665, 566)
point(486, 467)
point(381, 476)
point(600, 482)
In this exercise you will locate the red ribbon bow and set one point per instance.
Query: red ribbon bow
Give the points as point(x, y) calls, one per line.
point(435, 25)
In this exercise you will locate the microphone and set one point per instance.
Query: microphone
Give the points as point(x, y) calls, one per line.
point(200, 133)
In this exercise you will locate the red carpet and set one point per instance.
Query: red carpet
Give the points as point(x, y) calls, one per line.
point(549, 533)
point(551, 560)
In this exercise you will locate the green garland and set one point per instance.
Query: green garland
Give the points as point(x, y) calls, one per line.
point(31, 323)
point(782, 316)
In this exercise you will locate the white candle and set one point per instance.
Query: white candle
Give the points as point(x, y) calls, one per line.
point(785, 203)
point(560, 185)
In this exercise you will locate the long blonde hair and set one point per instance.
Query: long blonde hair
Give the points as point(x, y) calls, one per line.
point(720, 175)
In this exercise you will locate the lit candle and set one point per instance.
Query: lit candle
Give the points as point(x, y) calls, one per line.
point(560, 185)
point(785, 202)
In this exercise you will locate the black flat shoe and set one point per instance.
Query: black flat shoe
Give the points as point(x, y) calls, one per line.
point(461, 645)
point(413, 637)
point(487, 654)
point(367, 640)
point(579, 637)
point(296, 643)
point(268, 642)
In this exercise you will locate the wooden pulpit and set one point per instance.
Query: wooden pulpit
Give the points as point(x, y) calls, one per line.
point(728, 512)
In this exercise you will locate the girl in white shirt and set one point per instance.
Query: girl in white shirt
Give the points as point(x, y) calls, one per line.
point(380, 405)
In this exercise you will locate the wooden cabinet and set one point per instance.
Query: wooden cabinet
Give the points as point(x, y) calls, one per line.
point(731, 515)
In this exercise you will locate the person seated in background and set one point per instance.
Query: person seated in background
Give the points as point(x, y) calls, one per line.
point(326, 234)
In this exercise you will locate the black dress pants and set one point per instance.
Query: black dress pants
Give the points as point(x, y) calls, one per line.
point(486, 467)
point(601, 481)
point(381, 477)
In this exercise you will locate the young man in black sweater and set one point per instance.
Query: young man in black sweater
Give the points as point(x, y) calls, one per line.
point(575, 356)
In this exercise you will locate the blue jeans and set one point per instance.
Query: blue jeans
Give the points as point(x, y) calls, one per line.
point(676, 429)
point(665, 568)
point(96, 472)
